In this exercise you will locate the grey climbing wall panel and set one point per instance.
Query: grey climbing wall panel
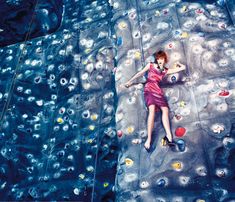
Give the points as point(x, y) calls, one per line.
point(201, 100)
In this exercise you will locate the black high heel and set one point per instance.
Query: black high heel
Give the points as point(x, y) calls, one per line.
point(165, 141)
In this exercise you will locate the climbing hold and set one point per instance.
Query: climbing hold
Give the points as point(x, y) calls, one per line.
point(157, 13)
point(161, 183)
point(181, 144)
point(60, 120)
point(224, 93)
point(144, 184)
point(184, 9)
point(184, 35)
point(91, 127)
point(122, 25)
point(199, 11)
point(182, 103)
point(173, 79)
point(178, 117)
point(130, 129)
point(106, 184)
point(81, 176)
point(221, 172)
point(136, 141)
point(137, 55)
point(129, 162)
point(184, 180)
point(176, 165)
point(119, 133)
point(217, 128)
point(90, 168)
point(200, 200)
point(201, 171)
point(119, 41)
point(76, 191)
point(180, 131)
point(94, 117)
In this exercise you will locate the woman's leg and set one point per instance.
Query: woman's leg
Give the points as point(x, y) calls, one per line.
point(166, 123)
point(150, 125)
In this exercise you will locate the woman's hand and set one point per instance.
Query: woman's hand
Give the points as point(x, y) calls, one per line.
point(127, 84)
point(179, 65)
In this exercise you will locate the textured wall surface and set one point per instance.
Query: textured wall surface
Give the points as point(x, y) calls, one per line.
point(201, 99)
point(69, 132)
point(57, 98)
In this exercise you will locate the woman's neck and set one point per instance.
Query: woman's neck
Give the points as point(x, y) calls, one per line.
point(159, 67)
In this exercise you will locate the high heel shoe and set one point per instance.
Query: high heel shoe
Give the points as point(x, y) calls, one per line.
point(165, 141)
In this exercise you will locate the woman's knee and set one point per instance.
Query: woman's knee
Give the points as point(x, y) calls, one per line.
point(151, 109)
point(165, 110)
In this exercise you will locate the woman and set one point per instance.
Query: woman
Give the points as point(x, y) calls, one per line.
point(153, 94)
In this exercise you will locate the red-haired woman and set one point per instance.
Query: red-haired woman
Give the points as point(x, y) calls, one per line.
point(153, 94)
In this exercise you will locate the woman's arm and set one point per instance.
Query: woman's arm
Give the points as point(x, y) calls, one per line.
point(176, 68)
point(138, 74)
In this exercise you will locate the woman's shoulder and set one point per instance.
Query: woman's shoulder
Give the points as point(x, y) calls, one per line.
point(150, 64)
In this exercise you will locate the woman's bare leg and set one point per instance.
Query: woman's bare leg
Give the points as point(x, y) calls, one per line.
point(150, 125)
point(166, 123)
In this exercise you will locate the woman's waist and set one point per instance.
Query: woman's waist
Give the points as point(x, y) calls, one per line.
point(154, 87)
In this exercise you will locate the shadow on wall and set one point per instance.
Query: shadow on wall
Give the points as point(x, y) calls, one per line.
point(31, 19)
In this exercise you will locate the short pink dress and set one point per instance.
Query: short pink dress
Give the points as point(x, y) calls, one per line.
point(153, 94)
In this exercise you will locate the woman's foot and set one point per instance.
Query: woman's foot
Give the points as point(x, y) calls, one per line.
point(165, 141)
point(147, 144)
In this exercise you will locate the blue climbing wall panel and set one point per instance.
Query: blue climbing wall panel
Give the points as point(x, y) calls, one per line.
point(58, 139)
point(70, 132)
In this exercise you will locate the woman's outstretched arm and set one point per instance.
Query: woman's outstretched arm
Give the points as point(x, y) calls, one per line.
point(137, 75)
point(176, 68)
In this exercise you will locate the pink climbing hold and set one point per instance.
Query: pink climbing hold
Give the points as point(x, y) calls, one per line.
point(180, 131)
point(119, 133)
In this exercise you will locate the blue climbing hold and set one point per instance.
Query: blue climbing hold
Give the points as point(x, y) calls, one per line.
point(161, 183)
point(181, 144)
point(119, 41)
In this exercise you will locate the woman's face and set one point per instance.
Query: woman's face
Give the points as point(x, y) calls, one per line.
point(161, 62)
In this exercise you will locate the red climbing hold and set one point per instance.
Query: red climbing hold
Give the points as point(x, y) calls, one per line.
point(224, 93)
point(180, 131)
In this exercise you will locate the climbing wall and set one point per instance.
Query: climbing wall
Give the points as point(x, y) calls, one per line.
point(201, 99)
point(70, 132)
point(57, 99)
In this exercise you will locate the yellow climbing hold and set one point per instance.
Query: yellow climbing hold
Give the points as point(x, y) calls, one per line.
point(122, 25)
point(81, 176)
point(130, 129)
point(184, 35)
point(137, 55)
point(88, 50)
point(60, 120)
point(94, 117)
point(90, 141)
point(184, 8)
point(182, 103)
point(106, 184)
point(200, 200)
point(176, 165)
point(91, 127)
point(129, 162)
point(157, 13)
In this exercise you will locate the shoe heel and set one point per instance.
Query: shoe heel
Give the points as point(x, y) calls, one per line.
point(164, 141)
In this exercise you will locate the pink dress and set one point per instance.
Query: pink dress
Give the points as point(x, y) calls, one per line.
point(153, 94)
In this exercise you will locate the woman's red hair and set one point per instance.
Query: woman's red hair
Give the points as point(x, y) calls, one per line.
point(160, 54)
